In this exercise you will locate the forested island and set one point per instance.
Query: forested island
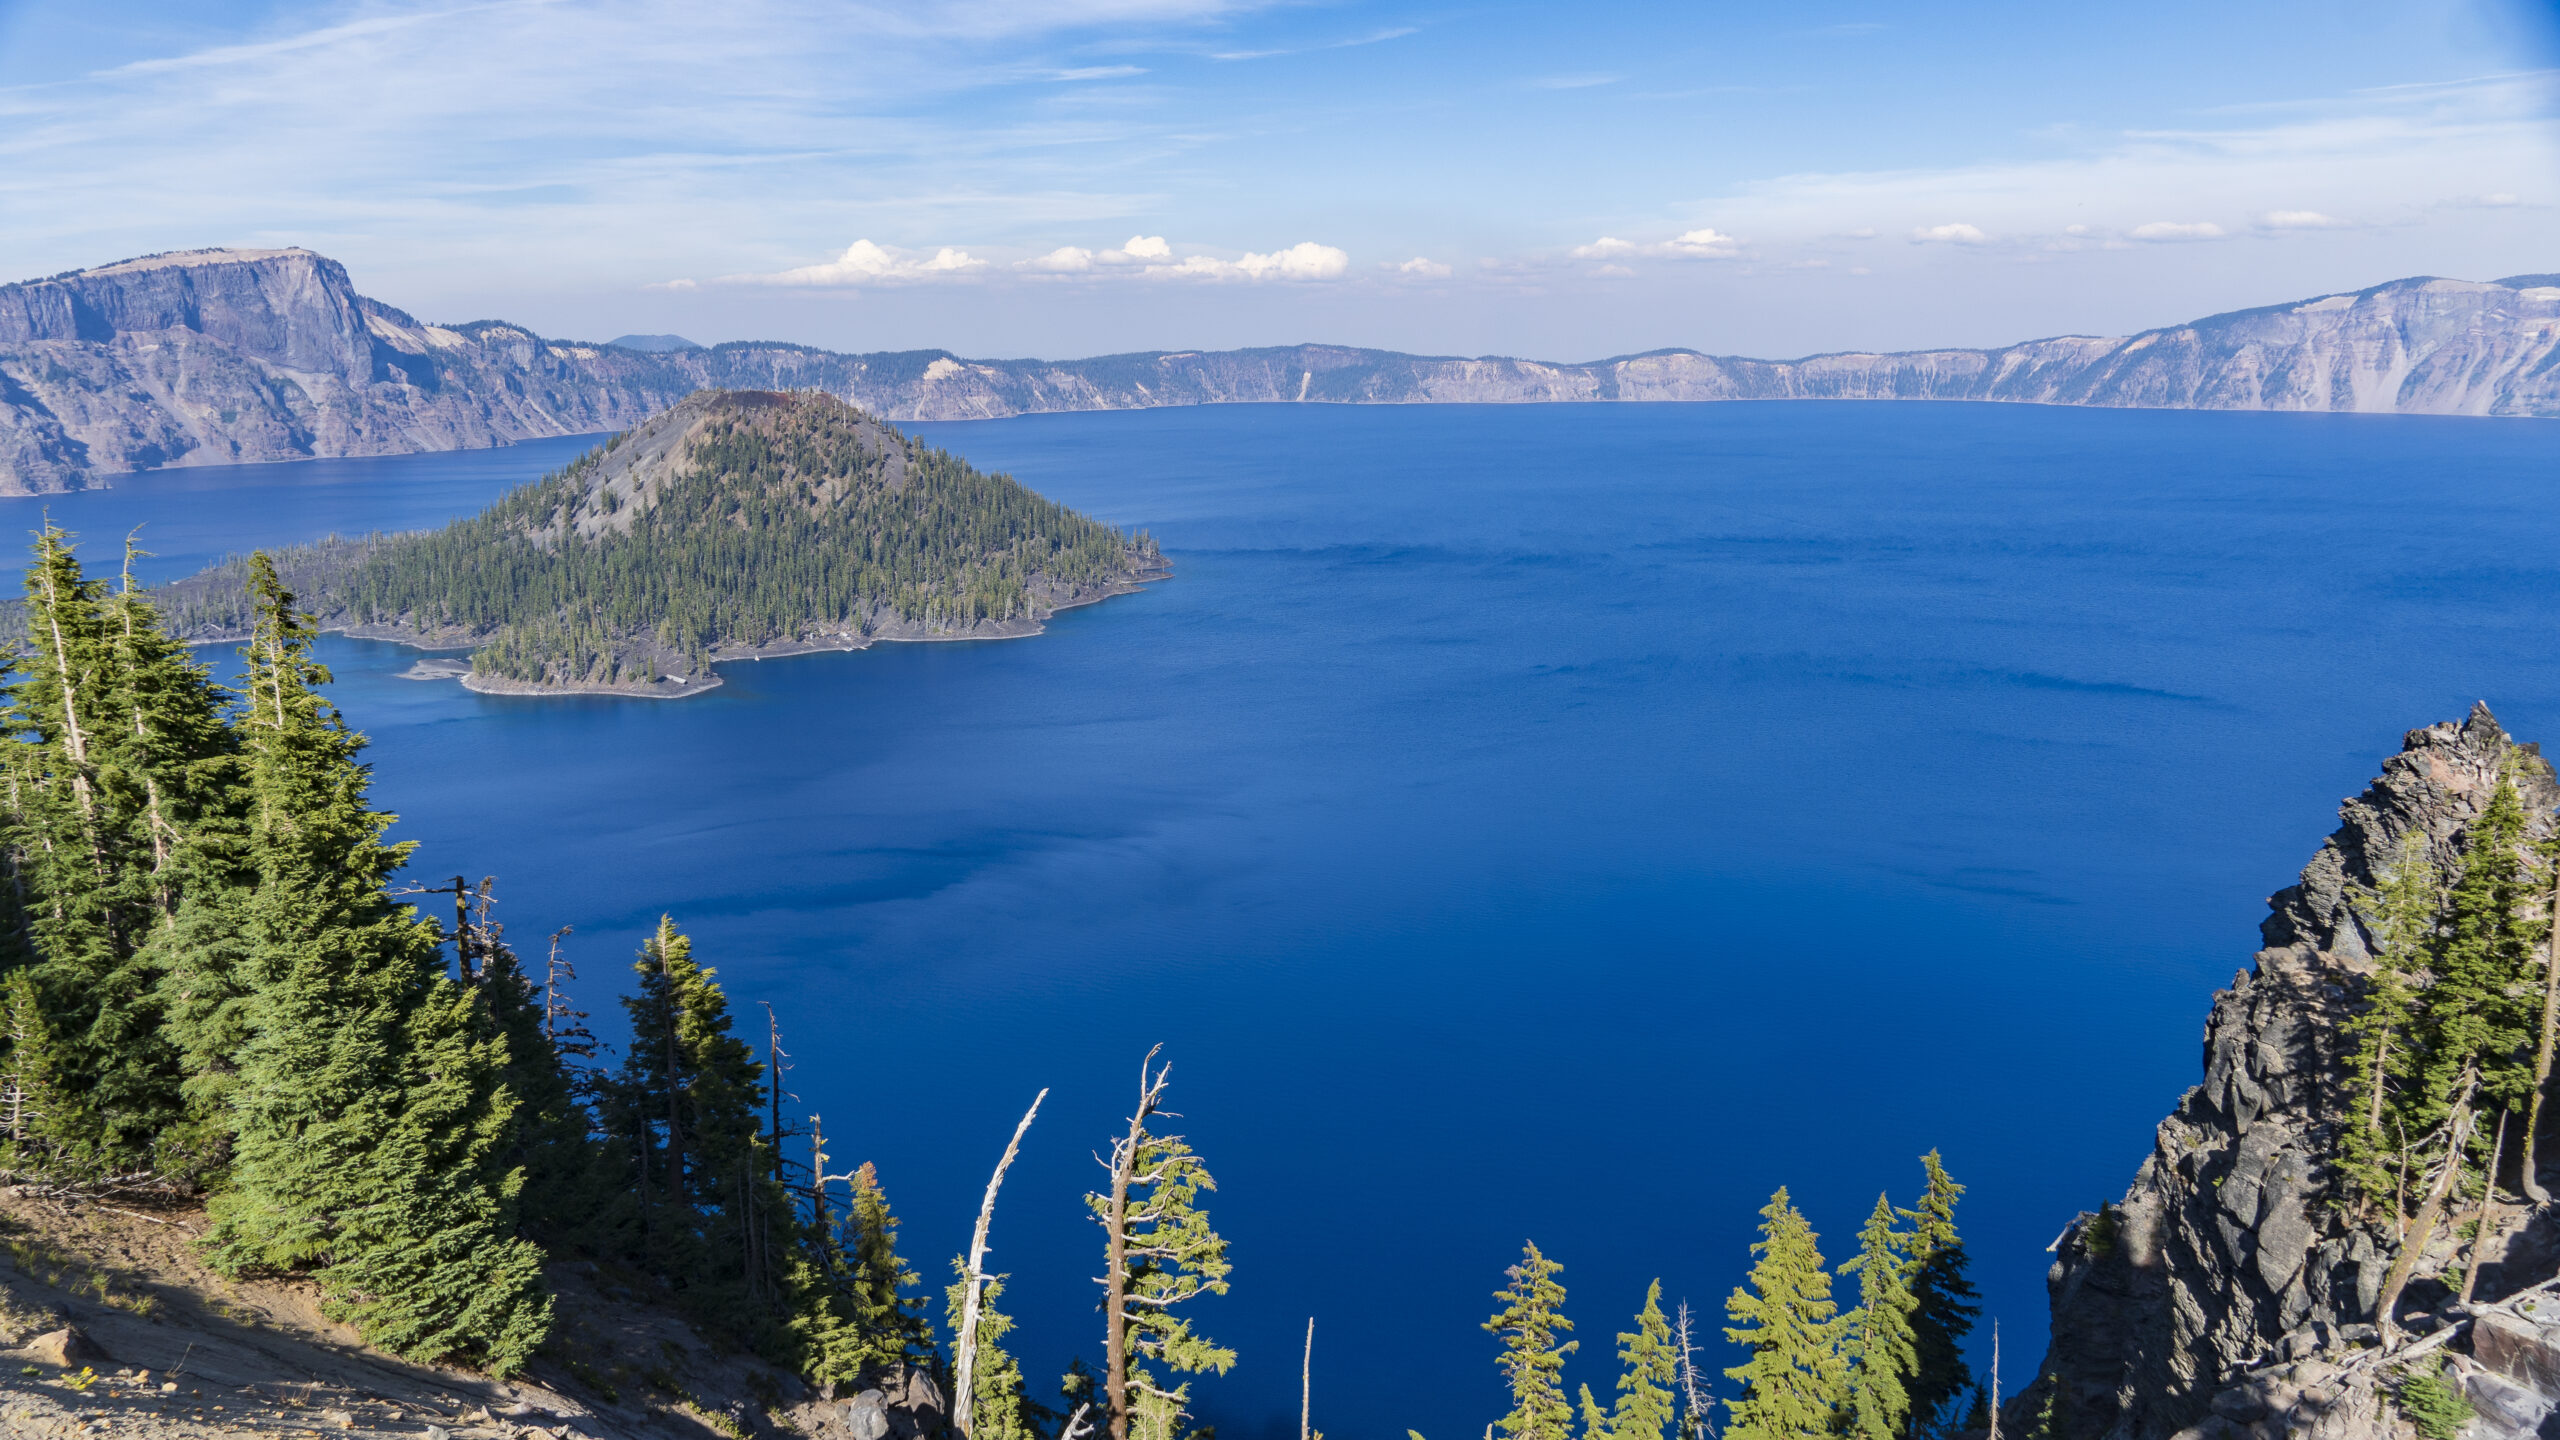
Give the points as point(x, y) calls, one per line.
point(734, 525)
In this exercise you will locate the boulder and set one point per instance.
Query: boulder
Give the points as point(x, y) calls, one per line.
point(65, 1347)
point(868, 1414)
point(2523, 1350)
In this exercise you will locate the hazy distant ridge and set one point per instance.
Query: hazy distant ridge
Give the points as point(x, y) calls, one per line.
point(225, 356)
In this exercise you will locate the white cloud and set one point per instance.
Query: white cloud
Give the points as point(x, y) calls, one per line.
point(1705, 244)
point(1099, 72)
point(2178, 230)
point(2301, 220)
point(1066, 259)
point(1147, 247)
point(1305, 260)
point(2497, 200)
point(1424, 267)
point(864, 263)
point(1956, 233)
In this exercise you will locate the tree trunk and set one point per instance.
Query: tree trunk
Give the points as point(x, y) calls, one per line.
point(2488, 1197)
point(1307, 1384)
point(964, 1369)
point(1994, 1406)
point(2396, 1279)
point(1115, 1283)
point(2531, 1177)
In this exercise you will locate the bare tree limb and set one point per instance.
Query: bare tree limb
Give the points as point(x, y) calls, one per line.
point(964, 1407)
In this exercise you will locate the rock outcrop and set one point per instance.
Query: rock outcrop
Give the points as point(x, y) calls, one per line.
point(2225, 1292)
point(218, 357)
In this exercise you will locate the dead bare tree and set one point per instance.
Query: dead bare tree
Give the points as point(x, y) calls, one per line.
point(1307, 1384)
point(1700, 1423)
point(964, 1368)
point(776, 1061)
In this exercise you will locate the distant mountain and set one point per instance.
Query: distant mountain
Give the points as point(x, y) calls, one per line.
point(654, 344)
point(733, 524)
point(215, 357)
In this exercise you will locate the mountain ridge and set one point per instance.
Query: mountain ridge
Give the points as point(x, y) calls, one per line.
point(235, 356)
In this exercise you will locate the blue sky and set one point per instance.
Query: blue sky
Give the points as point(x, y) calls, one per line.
point(1080, 176)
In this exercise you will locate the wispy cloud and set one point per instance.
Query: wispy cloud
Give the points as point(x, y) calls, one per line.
point(1954, 232)
point(1573, 82)
point(1703, 244)
point(2301, 220)
point(2179, 230)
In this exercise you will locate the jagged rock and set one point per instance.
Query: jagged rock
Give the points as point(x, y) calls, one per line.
point(65, 1347)
point(2226, 1251)
point(2523, 1350)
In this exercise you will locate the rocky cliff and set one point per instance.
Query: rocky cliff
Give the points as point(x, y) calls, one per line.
point(2225, 1293)
point(217, 357)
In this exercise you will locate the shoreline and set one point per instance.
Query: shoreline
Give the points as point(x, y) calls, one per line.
point(430, 668)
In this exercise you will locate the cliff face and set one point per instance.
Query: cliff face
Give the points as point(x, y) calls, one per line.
point(218, 357)
point(2224, 1287)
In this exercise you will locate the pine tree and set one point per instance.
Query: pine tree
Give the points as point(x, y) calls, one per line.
point(117, 726)
point(1786, 1317)
point(368, 1113)
point(1159, 1252)
point(1877, 1347)
point(552, 1140)
point(1531, 1316)
point(892, 1323)
point(1943, 1310)
point(30, 1078)
point(1595, 1420)
point(1649, 1376)
point(2403, 916)
point(718, 1226)
point(2476, 1014)
point(1004, 1410)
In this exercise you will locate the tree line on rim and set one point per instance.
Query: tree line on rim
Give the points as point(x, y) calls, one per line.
point(211, 986)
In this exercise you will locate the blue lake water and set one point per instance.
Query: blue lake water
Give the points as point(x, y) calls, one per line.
point(1566, 822)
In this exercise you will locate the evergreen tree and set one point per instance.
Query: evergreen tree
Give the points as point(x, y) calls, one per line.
point(1877, 1347)
point(1786, 1317)
point(717, 1224)
point(120, 732)
point(1943, 1298)
point(2403, 916)
point(2476, 1014)
point(1004, 1411)
point(1159, 1253)
point(1649, 1376)
point(892, 1323)
point(30, 1083)
point(1595, 1420)
point(368, 1113)
point(1531, 1316)
point(552, 1140)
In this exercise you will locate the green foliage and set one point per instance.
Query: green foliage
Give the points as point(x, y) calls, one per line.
point(1595, 1420)
point(1943, 1298)
point(2435, 1405)
point(2478, 1013)
point(1649, 1374)
point(369, 1114)
point(119, 735)
point(1877, 1346)
point(2402, 916)
point(1173, 1257)
point(891, 1322)
point(1003, 1409)
point(794, 517)
point(1531, 1317)
point(1785, 1316)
